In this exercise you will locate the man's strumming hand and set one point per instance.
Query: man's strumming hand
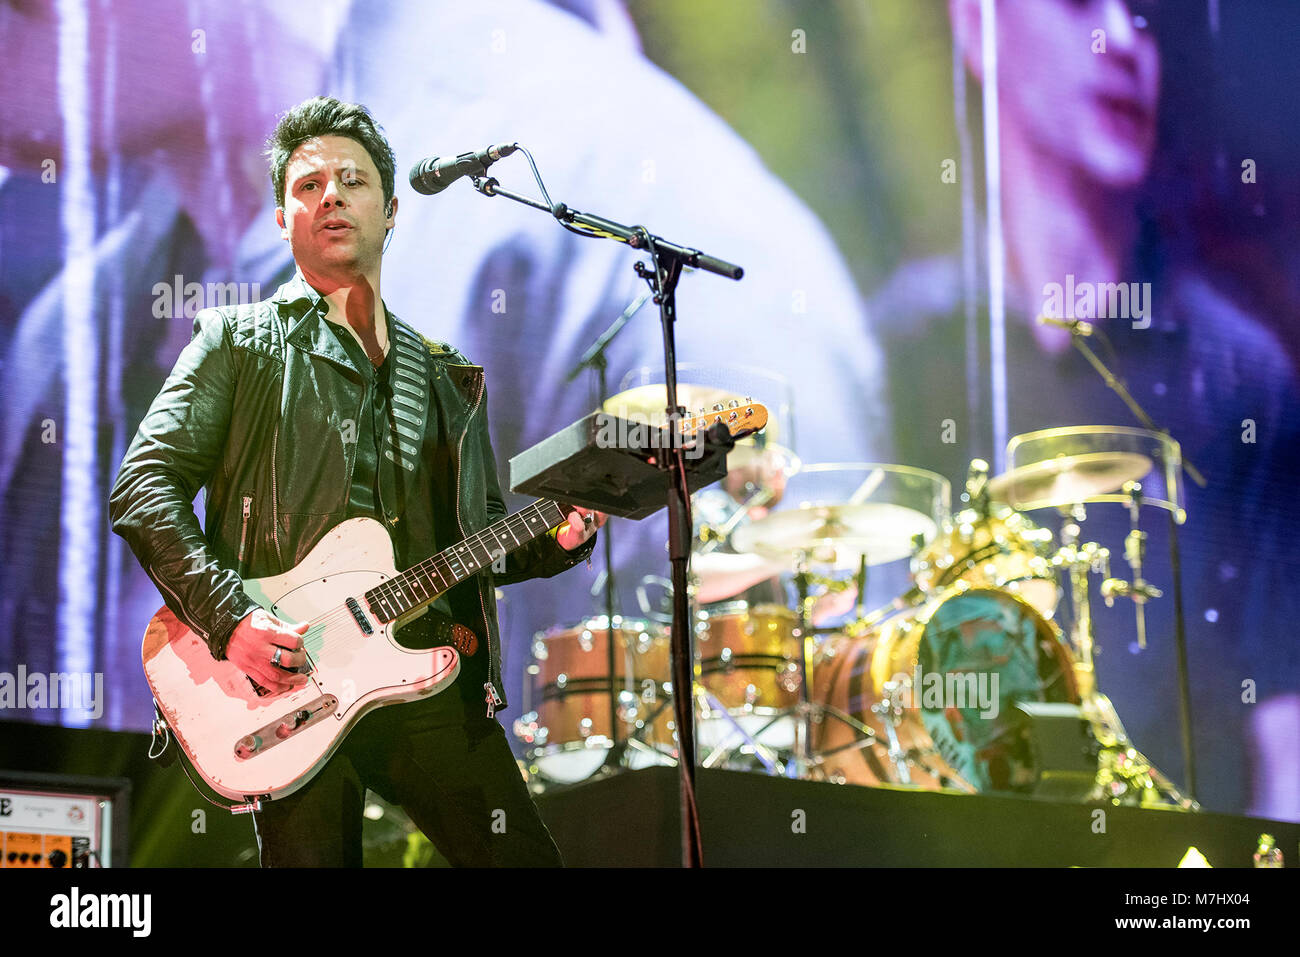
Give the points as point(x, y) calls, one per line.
point(253, 646)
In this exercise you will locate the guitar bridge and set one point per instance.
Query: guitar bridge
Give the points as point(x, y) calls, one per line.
point(285, 727)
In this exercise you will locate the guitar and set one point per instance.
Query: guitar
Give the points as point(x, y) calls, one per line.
point(250, 745)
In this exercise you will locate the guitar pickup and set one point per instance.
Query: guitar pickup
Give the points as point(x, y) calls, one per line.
point(285, 727)
point(360, 616)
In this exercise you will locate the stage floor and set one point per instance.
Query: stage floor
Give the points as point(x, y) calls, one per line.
point(747, 820)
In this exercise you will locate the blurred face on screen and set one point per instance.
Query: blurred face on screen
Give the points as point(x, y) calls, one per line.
point(1078, 80)
point(334, 216)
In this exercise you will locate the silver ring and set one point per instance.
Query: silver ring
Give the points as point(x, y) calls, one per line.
point(588, 519)
point(275, 658)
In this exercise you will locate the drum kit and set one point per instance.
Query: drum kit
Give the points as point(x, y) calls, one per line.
point(937, 688)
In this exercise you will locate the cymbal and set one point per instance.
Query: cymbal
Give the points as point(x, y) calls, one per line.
point(838, 535)
point(1068, 479)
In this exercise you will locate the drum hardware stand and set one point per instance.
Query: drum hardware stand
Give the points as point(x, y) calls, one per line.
point(977, 488)
point(707, 703)
point(1124, 774)
point(890, 711)
point(635, 740)
point(803, 578)
point(867, 737)
point(1134, 550)
point(1079, 560)
point(1117, 386)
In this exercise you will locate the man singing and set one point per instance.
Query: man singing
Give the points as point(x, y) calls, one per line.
point(310, 408)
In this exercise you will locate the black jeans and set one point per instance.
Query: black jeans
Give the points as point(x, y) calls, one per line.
point(444, 762)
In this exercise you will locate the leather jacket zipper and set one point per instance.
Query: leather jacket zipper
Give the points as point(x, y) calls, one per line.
point(243, 531)
point(275, 497)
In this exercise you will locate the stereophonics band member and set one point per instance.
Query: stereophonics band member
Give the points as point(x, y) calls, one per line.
point(312, 407)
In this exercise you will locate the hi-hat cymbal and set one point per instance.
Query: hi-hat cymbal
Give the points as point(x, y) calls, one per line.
point(838, 535)
point(1068, 479)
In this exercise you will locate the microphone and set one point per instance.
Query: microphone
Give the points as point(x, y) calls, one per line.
point(433, 174)
point(1077, 326)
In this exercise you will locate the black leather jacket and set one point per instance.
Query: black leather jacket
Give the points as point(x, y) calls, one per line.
point(255, 412)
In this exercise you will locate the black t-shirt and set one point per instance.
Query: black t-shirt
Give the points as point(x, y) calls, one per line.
point(373, 471)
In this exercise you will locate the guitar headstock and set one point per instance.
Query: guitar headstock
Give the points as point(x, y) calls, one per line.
point(741, 417)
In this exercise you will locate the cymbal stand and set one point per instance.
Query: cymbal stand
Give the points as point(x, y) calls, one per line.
point(1079, 560)
point(800, 760)
point(1134, 551)
point(1124, 774)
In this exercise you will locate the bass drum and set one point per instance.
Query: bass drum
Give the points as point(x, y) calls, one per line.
point(953, 672)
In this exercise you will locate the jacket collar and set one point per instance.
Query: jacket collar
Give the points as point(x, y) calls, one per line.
point(309, 330)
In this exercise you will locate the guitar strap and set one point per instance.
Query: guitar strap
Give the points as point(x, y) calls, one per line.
point(408, 415)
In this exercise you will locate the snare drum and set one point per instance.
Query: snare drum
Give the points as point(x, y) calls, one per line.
point(956, 669)
point(568, 693)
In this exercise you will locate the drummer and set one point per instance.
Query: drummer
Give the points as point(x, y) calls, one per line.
point(753, 485)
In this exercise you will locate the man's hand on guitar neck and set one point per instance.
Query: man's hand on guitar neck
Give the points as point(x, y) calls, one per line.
point(255, 643)
point(581, 525)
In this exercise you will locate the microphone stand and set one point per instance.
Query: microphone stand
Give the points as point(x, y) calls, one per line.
point(1180, 629)
point(668, 260)
point(594, 358)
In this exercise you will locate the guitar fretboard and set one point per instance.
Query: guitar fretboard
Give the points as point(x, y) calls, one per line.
point(424, 582)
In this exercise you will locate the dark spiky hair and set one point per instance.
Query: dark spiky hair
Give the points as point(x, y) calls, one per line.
point(326, 116)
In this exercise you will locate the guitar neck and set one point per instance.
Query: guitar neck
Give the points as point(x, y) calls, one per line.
point(422, 583)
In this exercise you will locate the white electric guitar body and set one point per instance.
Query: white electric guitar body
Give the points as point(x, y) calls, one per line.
point(247, 745)
point(250, 745)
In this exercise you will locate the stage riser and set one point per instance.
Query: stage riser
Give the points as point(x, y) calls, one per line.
point(750, 820)
point(746, 820)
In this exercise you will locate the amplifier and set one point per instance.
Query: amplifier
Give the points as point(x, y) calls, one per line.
point(56, 821)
